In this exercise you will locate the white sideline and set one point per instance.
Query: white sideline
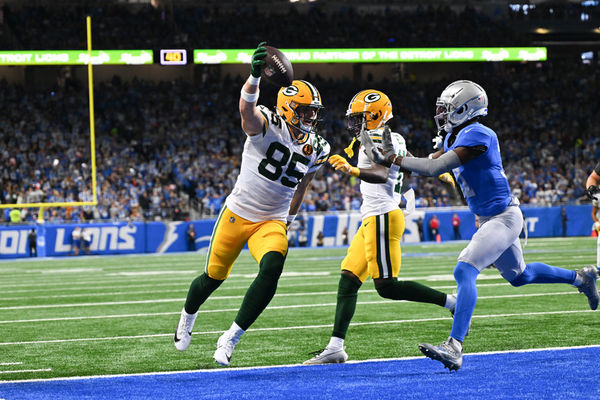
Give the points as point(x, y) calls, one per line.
point(137, 315)
point(287, 328)
point(226, 370)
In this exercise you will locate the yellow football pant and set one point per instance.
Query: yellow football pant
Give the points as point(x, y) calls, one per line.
point(232, 232)
point(375, 249)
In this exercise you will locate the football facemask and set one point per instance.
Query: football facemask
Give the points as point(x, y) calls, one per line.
point(300, 105)
point(459, 102)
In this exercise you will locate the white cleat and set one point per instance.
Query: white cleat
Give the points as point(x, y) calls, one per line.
point(448, 353)
point(328, 356)
point(225, 346)
point(183, 334)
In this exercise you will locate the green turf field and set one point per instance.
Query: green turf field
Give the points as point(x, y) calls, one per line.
point(116, 315)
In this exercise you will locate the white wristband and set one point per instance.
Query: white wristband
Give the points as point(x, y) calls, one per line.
point(291, 218)
point(253, 81)
point(249, 97)
point(395, 167)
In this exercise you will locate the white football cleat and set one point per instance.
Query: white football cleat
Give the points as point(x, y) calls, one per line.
point(449, 353)
point(225, 346)
point(328, 356)
point(183, 334)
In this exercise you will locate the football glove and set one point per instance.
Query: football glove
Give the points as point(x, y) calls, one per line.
point(258, 59)
point(593, 193)
point(379, 156)
point(446, 178)
point(340, 164)
point(437, 142)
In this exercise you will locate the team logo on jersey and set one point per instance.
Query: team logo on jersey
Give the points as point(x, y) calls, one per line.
point(372, 97)
point(290, 91)
point(307, 149)
point(232, 220)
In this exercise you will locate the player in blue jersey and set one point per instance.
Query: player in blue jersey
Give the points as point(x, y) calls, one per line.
point(471, 151)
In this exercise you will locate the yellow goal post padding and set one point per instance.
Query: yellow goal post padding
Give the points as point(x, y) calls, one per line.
point(92, 140)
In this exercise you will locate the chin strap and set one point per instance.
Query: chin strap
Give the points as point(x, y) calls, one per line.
point(350, 149)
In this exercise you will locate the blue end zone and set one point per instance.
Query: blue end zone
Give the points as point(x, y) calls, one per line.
point(548, 374)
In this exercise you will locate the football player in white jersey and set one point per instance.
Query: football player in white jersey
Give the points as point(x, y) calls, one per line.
point(281, 155)
point(375, 249)
point(593, 193)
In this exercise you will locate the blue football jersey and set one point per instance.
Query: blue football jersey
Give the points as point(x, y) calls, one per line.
point(482, 179)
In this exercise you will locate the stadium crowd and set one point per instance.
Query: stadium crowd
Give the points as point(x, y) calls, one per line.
point(209, 26)
point(170, 149)
point(166, 24)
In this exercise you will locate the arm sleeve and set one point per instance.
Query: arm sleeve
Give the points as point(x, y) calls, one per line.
point(432, 167)
point(597, 169)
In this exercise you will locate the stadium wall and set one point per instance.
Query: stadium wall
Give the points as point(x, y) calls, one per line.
point(54, 240)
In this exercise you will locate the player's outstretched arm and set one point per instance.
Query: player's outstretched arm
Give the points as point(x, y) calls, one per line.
point(374, 174)
point(424, 166)
point(252, 120)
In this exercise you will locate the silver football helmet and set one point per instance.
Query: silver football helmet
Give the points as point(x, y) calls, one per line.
point(459, 102)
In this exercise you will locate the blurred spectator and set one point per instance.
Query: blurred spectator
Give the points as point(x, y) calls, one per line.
point(434, 228)
point(456, 226)
point(86, 239)
point(76, 240)
point(32, 238)
point(302, 236)
point(191, 237)
point(15, 215)
point(420, 228)
point(320, 239)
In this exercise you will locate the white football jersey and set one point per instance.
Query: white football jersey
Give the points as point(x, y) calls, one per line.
point(381, 198)
point(272, 166)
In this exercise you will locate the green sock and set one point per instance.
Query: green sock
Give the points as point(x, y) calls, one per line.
point(411, 291)
point(262, 290)
point(200, 289)
point(346, 304)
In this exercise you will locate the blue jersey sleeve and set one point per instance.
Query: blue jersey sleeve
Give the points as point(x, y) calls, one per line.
point(471, 136)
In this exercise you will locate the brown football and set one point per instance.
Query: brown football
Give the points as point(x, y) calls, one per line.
point(278, 69)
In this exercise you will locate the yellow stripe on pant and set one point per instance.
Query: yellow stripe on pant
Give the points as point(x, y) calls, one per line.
point(375, 249)
point(232, 232)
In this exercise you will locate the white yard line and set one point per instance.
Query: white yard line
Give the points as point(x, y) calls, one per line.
point(287, 328)
point(184, 280)
point(116, 303)
point(25, 370)
point(11, 363)
point(294, 306)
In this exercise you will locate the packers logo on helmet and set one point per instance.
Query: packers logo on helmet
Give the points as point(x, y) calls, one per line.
point(299, 104)
point(369, 107)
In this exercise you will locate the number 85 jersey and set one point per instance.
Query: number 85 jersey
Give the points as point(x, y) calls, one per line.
point(272, 166)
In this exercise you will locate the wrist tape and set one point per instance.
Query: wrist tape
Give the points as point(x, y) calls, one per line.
point(249, 97)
